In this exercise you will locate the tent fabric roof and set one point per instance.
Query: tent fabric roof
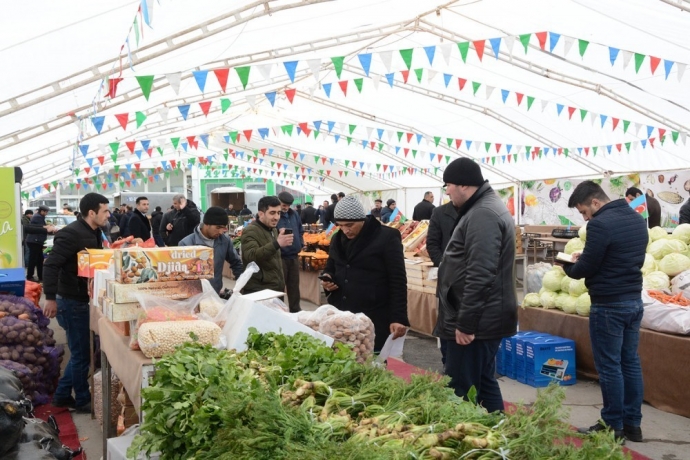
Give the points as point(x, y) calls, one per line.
point(413, 85)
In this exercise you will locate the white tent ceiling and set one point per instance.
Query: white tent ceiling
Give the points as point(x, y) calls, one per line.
point(53, 82)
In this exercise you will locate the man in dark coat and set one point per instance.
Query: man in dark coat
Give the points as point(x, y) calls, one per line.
point(388, 210)
point(139, 224)
point(611, 264)
point(366, 268)
point(156, 219)
point(476, 284)
point(35, 243)
point(330, 210)
point(124, 222)
point(685, 213)
point(231, 211)
point(323, 213)
point(424, 209)
point(653, 206)
point(184, 220)
point(290, 221)
point(308, 215)
point(376, 210)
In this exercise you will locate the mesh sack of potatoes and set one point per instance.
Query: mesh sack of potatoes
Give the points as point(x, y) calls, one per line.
point(355, 329)
point(313, 319)
point(157, 339)
point(98, 397)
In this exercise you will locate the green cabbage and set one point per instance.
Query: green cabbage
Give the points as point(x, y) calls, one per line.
point(561, 300)
point(574, 245)
point(559, 269)
point(570, 304)
point(649, 264)
point(582, 305)
point(673, 264)
point(565, 283)
point(656, 280)
point(657, 233)
point(582, 233)
point(548, 299)
point(577, 287)
point(543, 290)
point(660, 248)
point(531, 300)
point(682, 232)
point(552, 280)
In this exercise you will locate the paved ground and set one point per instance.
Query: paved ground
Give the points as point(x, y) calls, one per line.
point(667, 436)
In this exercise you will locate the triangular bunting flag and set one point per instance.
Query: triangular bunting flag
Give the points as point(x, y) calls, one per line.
point(145, 83)
point(222, 77)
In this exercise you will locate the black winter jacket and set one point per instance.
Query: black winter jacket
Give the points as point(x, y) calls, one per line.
point(441, 228)
point(156, 218)
point(372, 279)
point(139, 226)
point(184, 222)
point(685, 213)
point(423, 210)
point(612, 260)
point(37, 238)
point(60, 268)
point(476, 278)
point(309, 215)
point(124, 224)
point(330, 215)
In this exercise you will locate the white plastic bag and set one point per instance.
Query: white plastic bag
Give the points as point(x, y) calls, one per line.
point(393, 348)
point(681, 283)
point(663, 317)
point(535, 274)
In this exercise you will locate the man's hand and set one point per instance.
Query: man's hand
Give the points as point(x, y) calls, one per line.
point(50, 308)
point(575, 256)
point(169, 227)
point(398, 330)
point(183, 203)
point(463, 339)
point(329, 285)
point(283, 239)
point(51, 229)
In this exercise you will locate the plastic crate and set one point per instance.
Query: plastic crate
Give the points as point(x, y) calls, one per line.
point(562, 233)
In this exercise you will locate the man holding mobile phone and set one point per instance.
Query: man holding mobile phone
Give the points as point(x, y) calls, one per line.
point(291, 223)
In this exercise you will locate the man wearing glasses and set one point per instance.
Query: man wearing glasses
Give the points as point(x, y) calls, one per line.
point(211, 233)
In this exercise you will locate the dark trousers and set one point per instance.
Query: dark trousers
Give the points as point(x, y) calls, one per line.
point(73, 317)
point(291, 273)
point(159, 240)
point(475, 365)
point(35, 261)
point(444, 349)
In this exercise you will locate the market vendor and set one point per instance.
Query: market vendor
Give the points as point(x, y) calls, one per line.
point(211, 233)
point(366, 268)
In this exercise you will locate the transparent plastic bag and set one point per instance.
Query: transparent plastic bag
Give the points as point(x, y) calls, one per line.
point(355, 329)
point(276, 304)
point(221, 318)
point(314, 318)
point(210, 303)
point(160, 309)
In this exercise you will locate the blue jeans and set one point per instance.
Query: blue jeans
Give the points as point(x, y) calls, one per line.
point(73, 317)
point(615, 333)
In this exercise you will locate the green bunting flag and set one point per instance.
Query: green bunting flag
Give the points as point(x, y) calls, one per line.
point(287, 129)
point(145, 83)
point(463, 47)
point(407, 57)
point(243, 73)
point(583, 114)
point(338, 64)
point(352, 128)
point(639, 59)
point(358, 84)
point(114, 146)
point(583, 44)
point(475, 87)
point(114, 157)
point(175, 142)
point(530, 100)
point(626, 123)
point(524, 39)
point(419, 72)
point(224, 104)
point(141, 117)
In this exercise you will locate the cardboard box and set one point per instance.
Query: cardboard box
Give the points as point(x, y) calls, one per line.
point(12, 281)
point(519, 357)
point(137, 265)
point(509, 353)
point(117, 312)
point(549, 359)
point(91, 260)
point(176, 290)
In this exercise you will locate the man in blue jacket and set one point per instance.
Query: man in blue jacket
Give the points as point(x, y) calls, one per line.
point(290, 221)
point(211, 233)
point(610, 263)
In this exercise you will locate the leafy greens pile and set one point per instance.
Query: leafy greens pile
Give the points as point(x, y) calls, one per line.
point(292, 397)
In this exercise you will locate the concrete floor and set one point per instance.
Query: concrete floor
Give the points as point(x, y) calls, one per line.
point(667, 436)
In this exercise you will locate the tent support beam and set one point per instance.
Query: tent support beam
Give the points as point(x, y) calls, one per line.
point(100, 71)
point(680, 4)
point(545, 72)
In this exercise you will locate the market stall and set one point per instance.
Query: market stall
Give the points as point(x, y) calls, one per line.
point(664, 377)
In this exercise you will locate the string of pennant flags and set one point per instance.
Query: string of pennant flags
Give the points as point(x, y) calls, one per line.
point(547, 41)
point(519, 99)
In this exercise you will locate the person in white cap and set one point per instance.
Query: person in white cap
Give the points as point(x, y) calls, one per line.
point(365, 271)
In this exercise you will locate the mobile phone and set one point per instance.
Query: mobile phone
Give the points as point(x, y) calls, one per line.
point(325, 277)
point(288, 231)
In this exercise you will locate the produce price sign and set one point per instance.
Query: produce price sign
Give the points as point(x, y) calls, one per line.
point(10, 227)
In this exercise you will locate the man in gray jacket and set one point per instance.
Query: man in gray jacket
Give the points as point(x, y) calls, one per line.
point(211, 233)
point(476, 284)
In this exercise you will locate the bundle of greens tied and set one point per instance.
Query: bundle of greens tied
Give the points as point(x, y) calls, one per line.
point(289, 397)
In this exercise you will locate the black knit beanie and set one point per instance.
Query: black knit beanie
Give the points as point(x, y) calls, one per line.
point(463, 171)
point(215, 215)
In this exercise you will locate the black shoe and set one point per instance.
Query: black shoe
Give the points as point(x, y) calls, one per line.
point(69, 403)
point(632, 433)
point(601, 426)
point(85, 409)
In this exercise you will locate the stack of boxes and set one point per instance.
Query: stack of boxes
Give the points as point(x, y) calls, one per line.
point(518, 240)
point(418, 276)
point(537, 359)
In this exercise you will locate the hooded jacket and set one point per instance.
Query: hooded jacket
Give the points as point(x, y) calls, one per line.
point(476, 278)
point(223, 251)
point(292, 220)
point(260, 245)
point(370, 274)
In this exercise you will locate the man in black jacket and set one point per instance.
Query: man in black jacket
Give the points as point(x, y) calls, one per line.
point(156, 219)
point(684, 213)
point(366, 271)
point(308, 215)
point(35, 243)
point(67, 297)
point(184, 220)
point(476, 284)
point(610, 263)
point(139, 224)
point(424, 208)
point(653, 206)
point(124, 221)
point(330, 210)
point(231, 211)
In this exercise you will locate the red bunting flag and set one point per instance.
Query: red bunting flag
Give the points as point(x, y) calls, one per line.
point(87, 169)
point(479, 48)
point(409, 137)
point(541, 36)
point(458, 143)
point(654, 63)
point(305, 128)
point(112, 86)
point(498, 147)
point(122, 118)
point(290, 93)
point(615, 123)
point(343, 86)
point(248, 134)
point(137, 166)
point(662, 131)
point(651, 141)
point(222, 76)
point(205, 107)
point(571, 111)
point(130, 145)
point(405, 75)
point(461, 83)
point(101, 160)
point(619, 147)
point(519, 98)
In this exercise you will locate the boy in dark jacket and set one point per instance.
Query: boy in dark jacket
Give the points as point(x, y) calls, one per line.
point(67, 297)
point(290, 220)
point(611, 264)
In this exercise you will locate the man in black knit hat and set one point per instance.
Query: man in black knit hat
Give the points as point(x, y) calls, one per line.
point(211, 233)
point(476, 284)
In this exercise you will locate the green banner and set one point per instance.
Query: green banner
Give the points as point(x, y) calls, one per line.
point(10, 228)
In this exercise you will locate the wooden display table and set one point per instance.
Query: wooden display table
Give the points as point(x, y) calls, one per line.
point(422, 311)
point(665, 358)
point(310, 287)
